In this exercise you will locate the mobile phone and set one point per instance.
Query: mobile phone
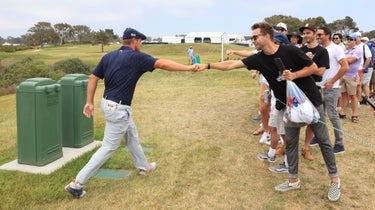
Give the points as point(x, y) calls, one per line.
point(369, 101)
point(279, 64)
point(281, 68)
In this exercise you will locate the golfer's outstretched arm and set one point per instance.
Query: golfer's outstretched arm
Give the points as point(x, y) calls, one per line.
point(170, 65)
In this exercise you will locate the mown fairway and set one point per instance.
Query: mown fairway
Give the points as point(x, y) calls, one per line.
point(200, 129)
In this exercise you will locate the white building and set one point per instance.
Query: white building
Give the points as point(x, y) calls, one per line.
point(207, 37)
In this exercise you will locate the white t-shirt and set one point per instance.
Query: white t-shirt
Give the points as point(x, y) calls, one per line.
point(367, 52)
point(336, 53)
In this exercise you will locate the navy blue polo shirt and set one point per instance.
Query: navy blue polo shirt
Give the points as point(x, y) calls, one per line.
point(121, 70)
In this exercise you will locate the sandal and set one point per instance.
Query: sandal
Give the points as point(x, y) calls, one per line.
point(258, 132)
point(342, 116)
point(355, 119)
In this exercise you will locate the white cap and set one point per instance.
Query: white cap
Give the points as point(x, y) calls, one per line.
point(282, 25)
point(358, 33)
point(365, 38)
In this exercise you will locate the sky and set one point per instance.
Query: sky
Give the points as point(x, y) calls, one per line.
point(158, 18)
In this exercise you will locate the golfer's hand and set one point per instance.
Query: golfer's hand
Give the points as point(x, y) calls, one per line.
point(88, 110)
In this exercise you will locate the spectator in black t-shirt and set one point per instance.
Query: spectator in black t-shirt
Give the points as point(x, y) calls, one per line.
point(298, 67)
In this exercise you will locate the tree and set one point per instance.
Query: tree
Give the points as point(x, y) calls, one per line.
point(317, 21)
point(42, 33)
point(292, 23)
point(82, 33)
point(370, 34)
point(64, 30)
point(344, 26)
point(103, 38)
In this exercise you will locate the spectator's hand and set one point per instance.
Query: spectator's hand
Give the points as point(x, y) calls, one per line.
point(288, 75)
point(310, 55)
point(88, 110)
point(201, 67)
point(254, 74)
point(328, 84)
point(195, 68)
point(230, 52)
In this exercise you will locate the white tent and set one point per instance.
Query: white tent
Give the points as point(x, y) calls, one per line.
point(207, 37)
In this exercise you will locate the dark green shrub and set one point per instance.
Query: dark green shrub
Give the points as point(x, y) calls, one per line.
point(22, 70)
point(72, 66)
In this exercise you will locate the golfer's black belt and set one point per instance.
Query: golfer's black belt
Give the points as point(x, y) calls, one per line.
point(115, 100)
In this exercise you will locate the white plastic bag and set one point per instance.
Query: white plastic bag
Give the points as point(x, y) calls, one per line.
point(299, 108)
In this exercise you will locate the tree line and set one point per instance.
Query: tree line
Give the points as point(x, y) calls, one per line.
point(43, 33)
point(344, 26)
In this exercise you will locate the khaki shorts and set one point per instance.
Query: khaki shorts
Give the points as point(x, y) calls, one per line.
point(349, 85)
point(367, 77)
point(276, 120)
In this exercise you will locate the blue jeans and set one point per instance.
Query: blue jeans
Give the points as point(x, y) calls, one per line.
point(119, 124)
point(292, 132)
point(330, 97)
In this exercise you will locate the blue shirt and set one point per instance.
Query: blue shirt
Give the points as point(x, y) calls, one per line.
point(371, 64)
point(121, 70)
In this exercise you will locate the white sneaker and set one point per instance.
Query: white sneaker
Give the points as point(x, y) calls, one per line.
point(151, 168)
point(75, 189)
point(266, 138)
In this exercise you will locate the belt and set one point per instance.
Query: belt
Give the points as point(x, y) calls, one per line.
point(115, 100)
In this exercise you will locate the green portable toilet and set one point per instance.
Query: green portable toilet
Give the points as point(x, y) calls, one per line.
point(38, 104)
point(198, 59)
point(77, 129)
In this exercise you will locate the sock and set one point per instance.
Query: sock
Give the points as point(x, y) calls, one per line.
point(271, 152)
point(286, 162)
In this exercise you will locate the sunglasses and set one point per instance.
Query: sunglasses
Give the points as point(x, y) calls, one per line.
point(282, 30)
point(319, 35)
point(255, 37)
point(350, 39)
point(336, 38)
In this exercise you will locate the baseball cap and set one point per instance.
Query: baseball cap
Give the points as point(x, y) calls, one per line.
point(365, 38)
point(352, 35)
point(282, 25)
point(280, 38)
point(132, 33)
point(308, 26)
point(358, 33)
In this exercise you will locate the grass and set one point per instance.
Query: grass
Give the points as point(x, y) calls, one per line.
point(200, 129)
